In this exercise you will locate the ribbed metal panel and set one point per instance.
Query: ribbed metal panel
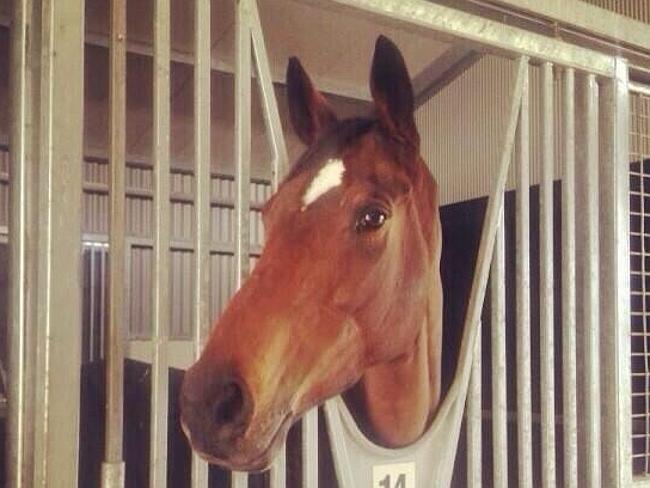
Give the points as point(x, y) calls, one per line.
point(635, 9)
point(182, 276)
point(139, 295)
point(459, 129)
point(222, 287)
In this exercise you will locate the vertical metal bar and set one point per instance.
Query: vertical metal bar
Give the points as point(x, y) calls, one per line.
point(113, 465)
point(242, 156)
point(587, 226)
point(161, 235)
point(58, 331)
point(615, 276)
point(475, 419)
point(278, 164)
point(524, 416)
point(271, 113)
point(22, 224)
point(546, 280)
point(492, 215)
point(242, 139)
point(499, 369)
point(310, 449)
point(202, 162)
point(569, 407)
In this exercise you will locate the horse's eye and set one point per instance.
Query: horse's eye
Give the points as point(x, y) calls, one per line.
point(371, 218)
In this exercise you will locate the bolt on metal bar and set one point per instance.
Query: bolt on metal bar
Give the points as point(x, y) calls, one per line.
point(113, 465)
point(161, 234)
point(569, 407)
point(522, 284)
point(202, 164)
point(499, 368)
point(587, 207)
point(546, 287)
point(242, 156)
point(615, 279)
point(22, 223)
point(475, 419)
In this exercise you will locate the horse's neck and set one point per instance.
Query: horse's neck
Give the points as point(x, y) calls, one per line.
point(400, 397)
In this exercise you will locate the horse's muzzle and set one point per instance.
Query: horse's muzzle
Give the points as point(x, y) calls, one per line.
point(216, 410)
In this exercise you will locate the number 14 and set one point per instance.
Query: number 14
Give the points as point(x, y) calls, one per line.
point(400, 483)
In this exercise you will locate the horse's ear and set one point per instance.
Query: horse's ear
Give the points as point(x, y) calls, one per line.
point(310, 113)
point(391, 90)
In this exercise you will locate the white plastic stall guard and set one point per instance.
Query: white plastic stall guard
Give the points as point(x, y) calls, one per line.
point(429, 462)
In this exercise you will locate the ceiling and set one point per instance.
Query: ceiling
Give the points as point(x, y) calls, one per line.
point(335, 48)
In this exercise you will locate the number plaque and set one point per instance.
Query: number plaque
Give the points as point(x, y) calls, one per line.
point(400, 475)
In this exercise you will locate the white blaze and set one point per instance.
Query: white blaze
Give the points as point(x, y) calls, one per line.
point(330, 176)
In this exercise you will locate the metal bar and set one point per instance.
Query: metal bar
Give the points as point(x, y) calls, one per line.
point(639, 88)
point(113, 465)
point(492, 214)
point(242, 139)
point(22, 224)
point(499, 368)
point(546, 287)
point(569, 407)
point(511, 41)
point(524, 409)
point(615, 280)
point(475, 419)
point(587, 206)
point(161, 232)
point(202, 164)
point(242, 156)
point(58, 331)
point(310, 449)
point(279, 162)
point(272, 120)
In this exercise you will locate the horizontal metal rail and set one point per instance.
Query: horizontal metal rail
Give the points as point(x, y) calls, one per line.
point(508, 40)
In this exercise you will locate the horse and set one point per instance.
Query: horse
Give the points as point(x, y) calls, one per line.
point(346, 297)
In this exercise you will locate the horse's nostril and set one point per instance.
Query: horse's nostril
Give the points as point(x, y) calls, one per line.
point(229, 405)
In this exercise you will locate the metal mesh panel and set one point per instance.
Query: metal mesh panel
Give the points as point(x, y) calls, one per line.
point(635, 9)
point(640, 280)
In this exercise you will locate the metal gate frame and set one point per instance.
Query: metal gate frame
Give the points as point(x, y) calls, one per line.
point(46, 141)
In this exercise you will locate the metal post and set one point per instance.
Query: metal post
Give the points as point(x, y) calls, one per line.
point(499, 368)
point(587, 253)
point(242, 156)
point(161, 260)
point(615, 280)
point(524, 417)
point(22, 229)
point(569, 407)
point(202, 163)
point(546, 280)
point(113, 465)
point(475, 419)
point(57, 150)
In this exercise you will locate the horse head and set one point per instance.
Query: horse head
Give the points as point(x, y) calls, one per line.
point(346, 291)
